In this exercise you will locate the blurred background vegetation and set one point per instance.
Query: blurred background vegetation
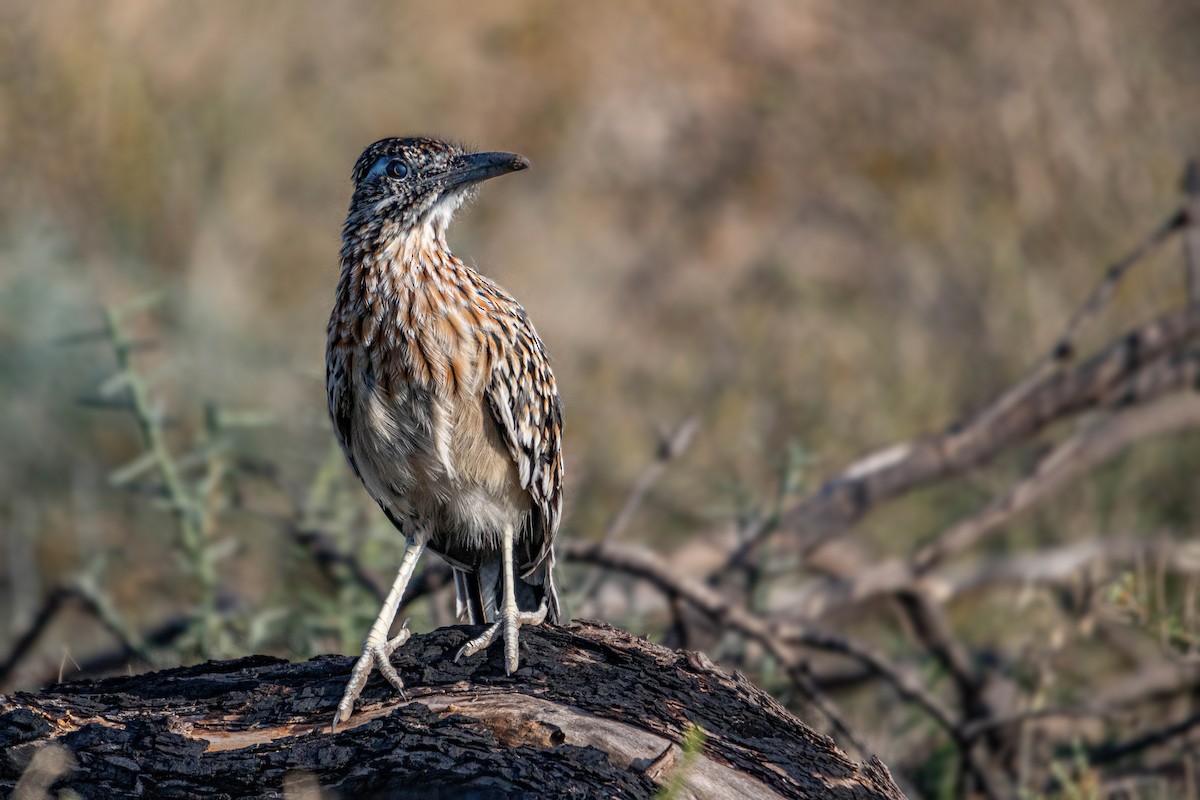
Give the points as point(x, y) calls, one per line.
point(816, 228)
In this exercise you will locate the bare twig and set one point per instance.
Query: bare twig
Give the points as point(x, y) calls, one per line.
point(51, 605)
point(433, 577)
point(1064, 348)
point(802, 679)
point(1112, 752)
point(931, 627)
point(54, 603)
point(670, 447)
point(1040, 398)
point(906, 685)
point(328, 558)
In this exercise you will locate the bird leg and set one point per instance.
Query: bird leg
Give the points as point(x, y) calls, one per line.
point(378, 648)
point(511, 618)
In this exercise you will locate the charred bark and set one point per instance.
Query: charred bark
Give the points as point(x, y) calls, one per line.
point(593, 712)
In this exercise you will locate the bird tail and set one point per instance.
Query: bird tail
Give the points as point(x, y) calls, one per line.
point(481, 592)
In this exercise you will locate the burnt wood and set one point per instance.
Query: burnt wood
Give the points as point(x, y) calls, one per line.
point(593, 712)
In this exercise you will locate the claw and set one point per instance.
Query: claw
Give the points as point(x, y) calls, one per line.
point(400, 638)
point(373, 655)
point(479, 642)
point(510, 624)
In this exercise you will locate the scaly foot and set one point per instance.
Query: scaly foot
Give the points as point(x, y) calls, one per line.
point(376, 653)
point(511, 622)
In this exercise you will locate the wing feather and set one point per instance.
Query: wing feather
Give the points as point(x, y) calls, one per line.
point(523, 399)
point(341, 399)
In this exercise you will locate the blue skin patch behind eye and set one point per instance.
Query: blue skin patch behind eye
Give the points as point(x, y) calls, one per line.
point(378, 167)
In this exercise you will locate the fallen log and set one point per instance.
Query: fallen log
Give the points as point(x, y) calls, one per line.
point(593, 712)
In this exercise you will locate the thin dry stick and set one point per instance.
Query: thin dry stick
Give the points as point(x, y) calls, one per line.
point(974, 729)
point(326, 555)
point(1112, 752)
point(907, 686)
point(1064, 347)
point(802, 678)
point(934, 631)
point(161, 636)
point(52, 604)
point(670, 448)
point(304, 527)
point(1092, 446)
point(433, 576)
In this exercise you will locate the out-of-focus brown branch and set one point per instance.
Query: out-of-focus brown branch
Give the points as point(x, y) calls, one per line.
point(933, 629)
point(901, 468)
point(648, 566)
point(1065, 346)
point(1046, 395)
point(328, 557)
point(644, 564)
point(671, 446)
point(1055, 567)
point(1096, 444)
point(53, 604)
point(337, 565)
point(906, 685)
point(1160, 681)
point(1112, 752)
point(1133, 379)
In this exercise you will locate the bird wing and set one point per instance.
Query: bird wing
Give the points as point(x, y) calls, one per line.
point(339, 396)
point(524, 402)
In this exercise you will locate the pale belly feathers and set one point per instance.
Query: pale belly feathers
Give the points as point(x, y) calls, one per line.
point(439, 466)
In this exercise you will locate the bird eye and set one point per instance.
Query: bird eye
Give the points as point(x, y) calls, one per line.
point(396, 169)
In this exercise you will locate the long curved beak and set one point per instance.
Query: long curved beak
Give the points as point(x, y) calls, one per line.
point(476, 167)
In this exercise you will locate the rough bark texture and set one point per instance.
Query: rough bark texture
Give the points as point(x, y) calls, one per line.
point(593, 712)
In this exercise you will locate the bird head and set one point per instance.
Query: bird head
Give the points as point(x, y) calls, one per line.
point(419, 182)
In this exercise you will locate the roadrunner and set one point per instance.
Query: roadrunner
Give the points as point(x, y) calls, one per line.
point(443, 400)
